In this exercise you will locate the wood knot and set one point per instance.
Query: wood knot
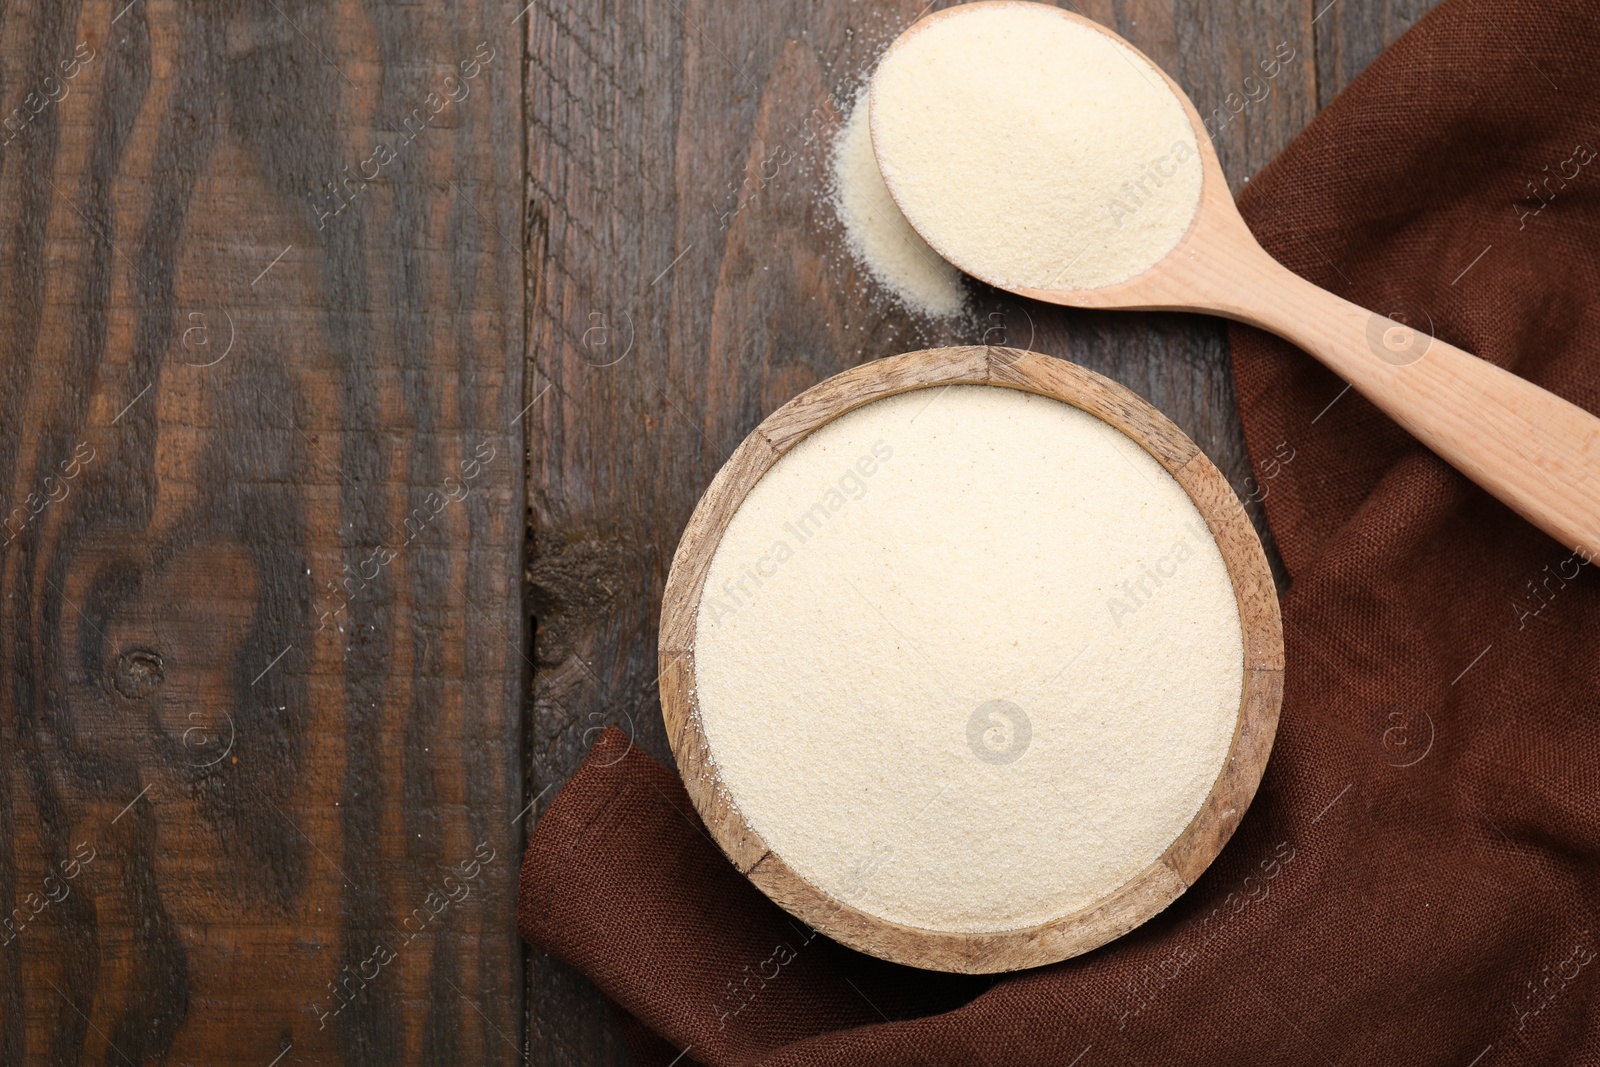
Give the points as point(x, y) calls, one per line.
point(138, 673)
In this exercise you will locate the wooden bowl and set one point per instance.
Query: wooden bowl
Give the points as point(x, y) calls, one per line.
point(1147, 892)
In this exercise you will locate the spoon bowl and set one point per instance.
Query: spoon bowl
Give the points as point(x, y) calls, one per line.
point(1536, 452)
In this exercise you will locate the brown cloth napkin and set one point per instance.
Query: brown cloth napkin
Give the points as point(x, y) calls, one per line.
point(1418, 878)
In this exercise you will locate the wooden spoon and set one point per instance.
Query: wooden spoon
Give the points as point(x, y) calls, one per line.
point(1538, 453)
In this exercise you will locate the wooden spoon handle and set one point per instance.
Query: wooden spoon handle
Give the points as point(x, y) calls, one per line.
point(1539, 454)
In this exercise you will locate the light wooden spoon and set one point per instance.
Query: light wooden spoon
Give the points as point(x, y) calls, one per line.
point(1538, 453)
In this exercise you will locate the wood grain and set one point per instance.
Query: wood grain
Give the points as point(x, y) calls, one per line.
point(262, 616)
point(180, 164)
point(1146, 893)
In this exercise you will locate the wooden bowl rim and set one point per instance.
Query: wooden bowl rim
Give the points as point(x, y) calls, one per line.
point(1148, 892)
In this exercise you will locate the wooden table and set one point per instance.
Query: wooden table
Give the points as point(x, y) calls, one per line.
point(361, 366)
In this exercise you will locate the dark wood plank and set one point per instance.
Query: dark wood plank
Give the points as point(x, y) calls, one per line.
point(689, 280)
point(264, 650)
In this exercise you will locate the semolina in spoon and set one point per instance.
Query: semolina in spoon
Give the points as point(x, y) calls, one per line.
point(1041, 153)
